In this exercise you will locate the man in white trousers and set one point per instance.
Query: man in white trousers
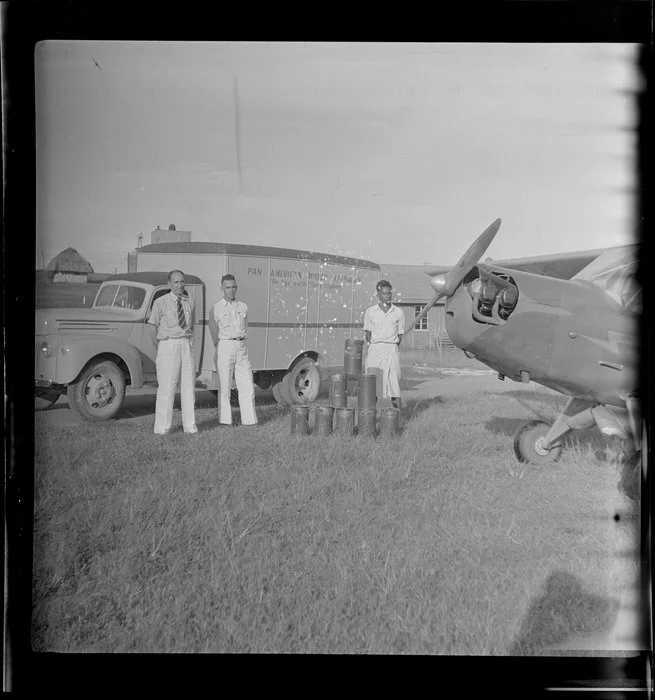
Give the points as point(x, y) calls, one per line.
point(231, 322)
point(173, 315)
point(383, 327)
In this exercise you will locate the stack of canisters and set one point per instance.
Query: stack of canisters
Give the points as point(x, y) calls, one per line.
point(339, 416)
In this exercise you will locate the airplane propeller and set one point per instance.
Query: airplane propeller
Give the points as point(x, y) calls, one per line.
point(445, 285)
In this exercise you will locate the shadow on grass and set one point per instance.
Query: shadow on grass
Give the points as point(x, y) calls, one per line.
point(265, 414)
point(409, 384)
point(563, 609)
point(138, 405)
point(414, 407)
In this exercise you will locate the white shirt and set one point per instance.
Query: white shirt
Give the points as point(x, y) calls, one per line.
point(231, 318)
point(384, 327)
point(164, 316)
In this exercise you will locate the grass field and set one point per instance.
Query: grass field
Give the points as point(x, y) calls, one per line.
point(253, 540)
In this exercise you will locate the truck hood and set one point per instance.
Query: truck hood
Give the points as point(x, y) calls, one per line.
point(50, 321)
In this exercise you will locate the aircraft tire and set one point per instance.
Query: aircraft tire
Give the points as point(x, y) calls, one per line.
point(527, 444)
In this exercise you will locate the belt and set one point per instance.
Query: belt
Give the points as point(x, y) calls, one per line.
point(184, 337)
point(232, 338)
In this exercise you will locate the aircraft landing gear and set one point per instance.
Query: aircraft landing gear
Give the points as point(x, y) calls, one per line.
point(529, 444)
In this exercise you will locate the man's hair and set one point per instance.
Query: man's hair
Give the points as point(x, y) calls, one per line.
point(224, 278)
point(382, 283)
point(172, 272)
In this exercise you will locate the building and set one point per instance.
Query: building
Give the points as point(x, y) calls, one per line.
point(411, 292)
point(172, 235)
point(69, 266)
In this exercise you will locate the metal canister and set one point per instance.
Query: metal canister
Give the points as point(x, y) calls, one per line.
point(344, 423)
point(366, 422)
point(389, 421)
point(300, 419)
point(323, 418)
point(366, 390)
point(352, 356)
point(338, 390)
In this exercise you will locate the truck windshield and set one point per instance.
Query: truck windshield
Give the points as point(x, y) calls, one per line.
point(615, 271)
point(123, 296)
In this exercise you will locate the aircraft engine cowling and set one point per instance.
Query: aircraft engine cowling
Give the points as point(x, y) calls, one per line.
point(507, 300)
point(494, 297)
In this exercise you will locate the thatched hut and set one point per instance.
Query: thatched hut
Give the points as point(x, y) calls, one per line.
point(69, 266)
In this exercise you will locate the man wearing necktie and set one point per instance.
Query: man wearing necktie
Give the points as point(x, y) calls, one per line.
point(231, 321)
point(173, 316)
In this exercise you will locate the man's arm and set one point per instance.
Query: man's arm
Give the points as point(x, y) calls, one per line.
point(154, 320)
point(213, 325)
point(155, 313)
point(367, 326)
point(192, 312)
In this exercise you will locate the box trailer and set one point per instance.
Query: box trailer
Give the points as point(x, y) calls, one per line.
point(302, 306)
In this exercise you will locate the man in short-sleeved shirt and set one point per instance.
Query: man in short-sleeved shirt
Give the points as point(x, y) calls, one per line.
point(383, 327)
point(174, 315)
point(230, 319)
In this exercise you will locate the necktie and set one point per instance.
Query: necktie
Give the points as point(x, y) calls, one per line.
point(181, 320)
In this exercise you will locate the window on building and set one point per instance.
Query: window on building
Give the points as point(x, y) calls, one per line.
point(422, 325)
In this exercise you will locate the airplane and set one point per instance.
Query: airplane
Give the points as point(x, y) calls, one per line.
point(578, 336)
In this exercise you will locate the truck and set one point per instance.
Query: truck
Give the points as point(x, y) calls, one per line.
point(302, 306)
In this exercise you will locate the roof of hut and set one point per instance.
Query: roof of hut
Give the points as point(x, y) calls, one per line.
point(69, 260)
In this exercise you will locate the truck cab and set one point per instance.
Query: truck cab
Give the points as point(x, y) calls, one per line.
point(93, 354)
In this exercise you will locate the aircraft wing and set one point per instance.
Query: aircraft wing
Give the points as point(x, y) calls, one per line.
point(560, 265)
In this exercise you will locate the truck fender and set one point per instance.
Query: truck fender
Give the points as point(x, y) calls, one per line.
point(313, 354)
point(76, 351)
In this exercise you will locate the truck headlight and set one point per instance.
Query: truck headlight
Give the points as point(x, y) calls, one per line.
point(45, 349)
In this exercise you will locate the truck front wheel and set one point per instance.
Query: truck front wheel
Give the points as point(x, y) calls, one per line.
point(302, 382)
point(98, 393)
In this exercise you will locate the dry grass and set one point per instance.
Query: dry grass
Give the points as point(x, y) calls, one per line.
point(253, 540)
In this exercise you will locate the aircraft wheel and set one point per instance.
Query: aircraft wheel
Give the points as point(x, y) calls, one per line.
point(528, 444)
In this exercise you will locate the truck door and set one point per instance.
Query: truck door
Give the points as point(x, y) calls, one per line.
point(149, 340)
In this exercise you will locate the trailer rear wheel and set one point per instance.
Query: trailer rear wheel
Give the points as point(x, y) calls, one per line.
point(302, 382)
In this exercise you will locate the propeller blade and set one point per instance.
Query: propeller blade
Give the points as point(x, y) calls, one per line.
point(445, 285)
point(424, 311)
point(470, 258)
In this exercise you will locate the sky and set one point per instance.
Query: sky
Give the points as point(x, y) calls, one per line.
point(397, 153)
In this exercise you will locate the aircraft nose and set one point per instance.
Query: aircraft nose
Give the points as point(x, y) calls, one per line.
point(438, 283)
